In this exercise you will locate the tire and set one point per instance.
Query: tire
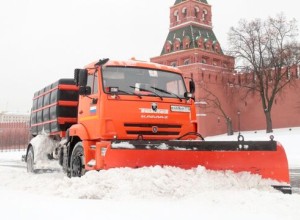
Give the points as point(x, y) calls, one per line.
point(77, 161)
point(30, 160)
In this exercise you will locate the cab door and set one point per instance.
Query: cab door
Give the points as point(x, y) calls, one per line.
point(89, 106)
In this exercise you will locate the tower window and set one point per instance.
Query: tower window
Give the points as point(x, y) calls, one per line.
point(184, 12)
point(186, 62)
point(204, 15)
point(176, 15)
point(177, 44)
point(174, 64)
point(168, 47)
point(208, 44)
point(216, 48)
point(186, 42)
point(196, 11)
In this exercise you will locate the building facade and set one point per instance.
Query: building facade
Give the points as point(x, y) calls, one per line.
point(7, 117)
point(192, 46)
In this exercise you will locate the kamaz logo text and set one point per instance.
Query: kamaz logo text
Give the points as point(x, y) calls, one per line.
point(158, 111)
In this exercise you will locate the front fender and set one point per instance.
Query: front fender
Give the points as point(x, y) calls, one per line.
point(80, 131)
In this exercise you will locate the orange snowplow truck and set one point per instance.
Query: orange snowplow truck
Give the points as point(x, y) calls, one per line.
point(136, 114)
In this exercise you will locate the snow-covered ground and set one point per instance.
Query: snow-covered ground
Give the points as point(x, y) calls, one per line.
point(147, 193)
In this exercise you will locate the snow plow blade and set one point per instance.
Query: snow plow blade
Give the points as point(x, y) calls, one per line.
point(265, 158)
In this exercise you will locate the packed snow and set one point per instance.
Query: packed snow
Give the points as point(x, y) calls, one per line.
point(123, 145)
point(42, 146)
point(147, 193)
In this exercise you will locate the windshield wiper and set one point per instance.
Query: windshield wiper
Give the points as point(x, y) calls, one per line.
point(166, 92)
point(146, 90)
point(128, 93)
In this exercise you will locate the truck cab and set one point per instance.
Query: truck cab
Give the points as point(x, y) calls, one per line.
point(132, 100)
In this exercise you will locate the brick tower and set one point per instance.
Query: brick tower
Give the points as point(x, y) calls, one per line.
point(192, 46)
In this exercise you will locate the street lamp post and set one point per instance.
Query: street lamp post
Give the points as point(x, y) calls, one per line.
point(239, 121)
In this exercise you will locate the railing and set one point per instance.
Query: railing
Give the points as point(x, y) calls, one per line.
point(14, 136)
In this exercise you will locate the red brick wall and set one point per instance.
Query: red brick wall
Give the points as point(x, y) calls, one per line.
point(285, 111)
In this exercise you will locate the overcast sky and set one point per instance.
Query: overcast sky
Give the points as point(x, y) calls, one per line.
point(44, 40)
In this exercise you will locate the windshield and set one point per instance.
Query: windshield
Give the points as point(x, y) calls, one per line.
point(143, 82)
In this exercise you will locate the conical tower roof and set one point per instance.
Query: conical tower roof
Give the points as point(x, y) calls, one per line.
point(194, 33)
point(191, 19)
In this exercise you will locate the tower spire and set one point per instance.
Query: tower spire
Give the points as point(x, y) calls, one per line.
point(191, 38)
point(180, 1)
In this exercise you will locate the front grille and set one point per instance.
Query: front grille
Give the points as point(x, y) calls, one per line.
point(147, 129)
point(151, 133)
point(151, 125)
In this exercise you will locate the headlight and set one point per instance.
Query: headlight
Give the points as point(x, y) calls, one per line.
point(103, 151)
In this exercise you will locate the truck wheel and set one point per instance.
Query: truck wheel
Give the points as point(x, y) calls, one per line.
point(30, 160)
point(77, 161)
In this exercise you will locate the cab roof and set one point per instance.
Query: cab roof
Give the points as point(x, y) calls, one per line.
point(136, 63)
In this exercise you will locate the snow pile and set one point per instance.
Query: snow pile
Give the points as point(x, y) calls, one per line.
point(127, 183)
point(145, 193)
point(122, 145)
point(157, 182)
point(162, 146)
point(42, 146)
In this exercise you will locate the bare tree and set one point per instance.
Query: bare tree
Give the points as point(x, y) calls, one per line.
point(213, 102)
point(266, 51)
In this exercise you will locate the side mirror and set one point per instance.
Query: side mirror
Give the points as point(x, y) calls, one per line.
point(85, 90)
point(80, 77)
point(188, 95)
point(83, 75)
point(192, 86)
